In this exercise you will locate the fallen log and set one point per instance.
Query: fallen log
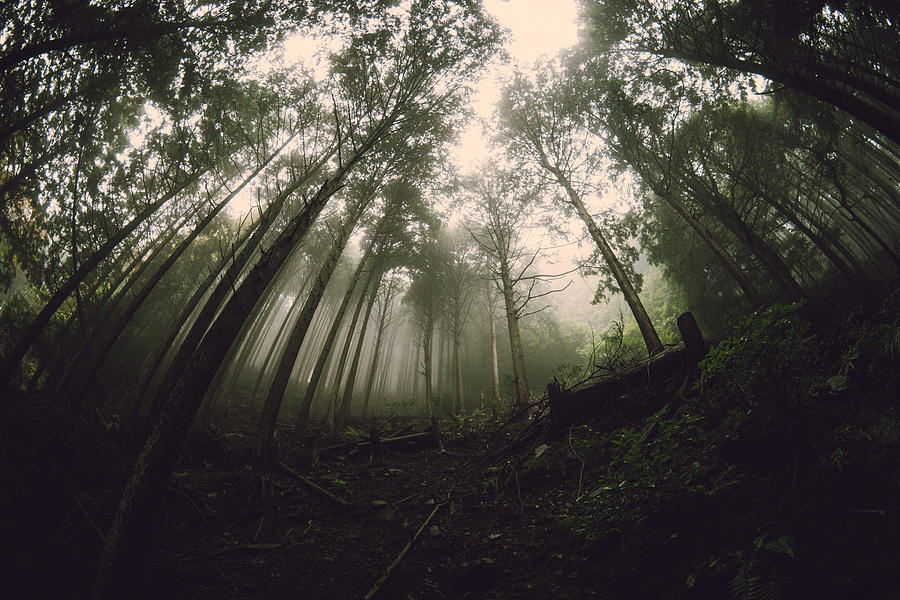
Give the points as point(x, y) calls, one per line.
point(662, 378)
point(339, 502)
point(404, 443)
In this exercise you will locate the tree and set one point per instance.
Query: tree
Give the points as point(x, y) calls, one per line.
point(844, 55)
point(385, 309)
point(539, 127)
point(459, 276)
point(425, 299)
point(504, 206)
point(434, 48)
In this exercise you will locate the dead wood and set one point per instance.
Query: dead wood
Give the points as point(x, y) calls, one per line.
point(390, 570)
point(254, 546)
point(339, 502)
point(413, 441)
point(602, 400)
point(86, 514)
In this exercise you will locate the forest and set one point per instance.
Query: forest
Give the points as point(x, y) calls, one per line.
point(271, 327)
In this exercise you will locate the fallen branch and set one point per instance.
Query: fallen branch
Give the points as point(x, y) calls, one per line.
point(426, 440)
point(343, 504)
point(246, 547)
point(390, 570)
point(86, 514)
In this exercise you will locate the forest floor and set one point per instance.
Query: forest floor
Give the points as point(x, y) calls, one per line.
point(486, 533)
point(775, 479)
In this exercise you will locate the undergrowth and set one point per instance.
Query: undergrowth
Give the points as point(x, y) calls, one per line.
point(777, 479)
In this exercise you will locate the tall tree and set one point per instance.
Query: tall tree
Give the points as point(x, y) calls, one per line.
point(459, 275)
point(422, 67)
point(425, 299)
point(539, 127)
point(504, 206)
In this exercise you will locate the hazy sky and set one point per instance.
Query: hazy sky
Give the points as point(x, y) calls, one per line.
point(537, 27)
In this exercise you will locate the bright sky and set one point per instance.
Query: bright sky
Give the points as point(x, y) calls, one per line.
point(537, 27)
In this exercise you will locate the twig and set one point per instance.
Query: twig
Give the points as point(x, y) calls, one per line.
point(581, 472)
point(390, 570)
point(343, 504)
point(227, 549)
point(401, 501)
point(259, 528)
point(188, 498)
point(519, 493)
point(86, 514)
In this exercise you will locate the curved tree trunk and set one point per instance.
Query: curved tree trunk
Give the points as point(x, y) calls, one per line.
point(99, 353)
point(269, 416)
point(715, 244)
point(319, 368)
point(350, 383)
point(370, 380)
point(342, 361)
point(27, 338)
point(125, 545)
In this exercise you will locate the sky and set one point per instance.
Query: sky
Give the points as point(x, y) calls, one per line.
point(536, 28)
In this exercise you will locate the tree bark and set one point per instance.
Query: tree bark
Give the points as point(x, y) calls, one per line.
point(427, 340)
point(495, 365)
point(99, 353)
point(345, 353)
point(319, 368)
point(523, 394)
point(715, 244)
point(382, 325)
point(349, 385)
point(648, 332)
point(126, 542)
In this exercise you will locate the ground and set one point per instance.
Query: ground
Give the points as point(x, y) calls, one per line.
point(478, 543)
point(776, 477)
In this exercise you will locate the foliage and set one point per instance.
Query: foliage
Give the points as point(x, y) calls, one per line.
point(762, 361)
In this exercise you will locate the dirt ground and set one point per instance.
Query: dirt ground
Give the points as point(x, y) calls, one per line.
point(488, 535)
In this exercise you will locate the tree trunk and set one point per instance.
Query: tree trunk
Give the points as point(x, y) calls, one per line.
point(427, 339)
point(457, 362)
point(495, 365)
point(354, 364)
point(274, 398)
point(523, 394)
point(306, 403)
point(648, 332)
point(126, 541)
point(345, 353)
point(715, 244)
point(99, 353)
point(382, 325)
point(27, 338)
point(130, 406)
